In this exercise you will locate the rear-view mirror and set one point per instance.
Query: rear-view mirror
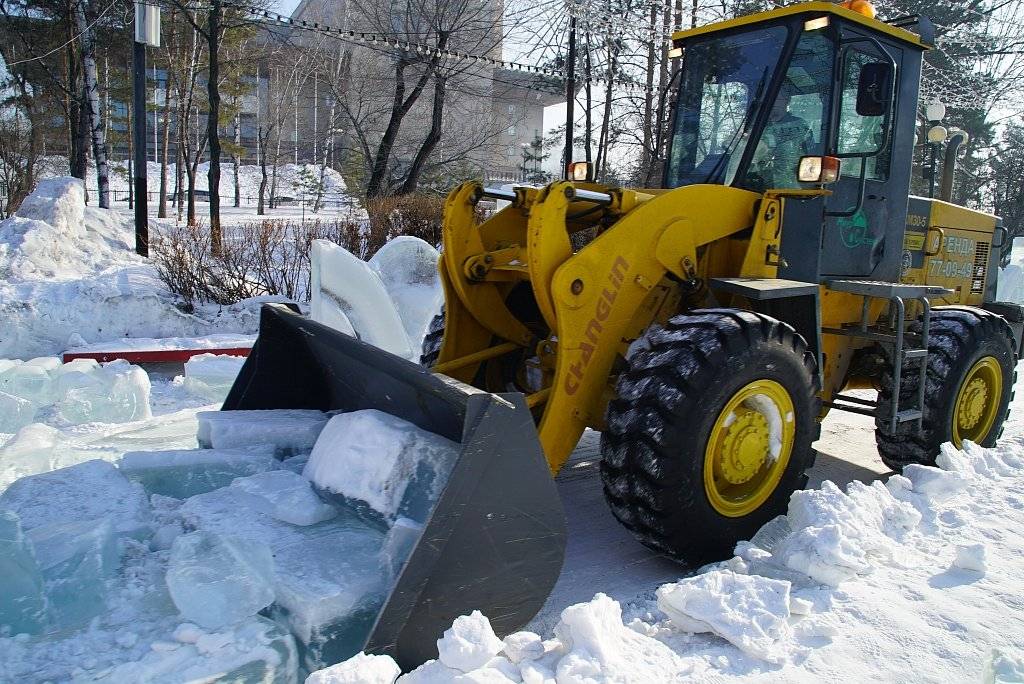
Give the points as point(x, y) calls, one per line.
point(874, 89)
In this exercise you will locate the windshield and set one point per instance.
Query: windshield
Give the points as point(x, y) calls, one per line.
point(722, 82)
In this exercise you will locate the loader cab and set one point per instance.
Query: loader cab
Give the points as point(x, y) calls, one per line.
point(757, 94)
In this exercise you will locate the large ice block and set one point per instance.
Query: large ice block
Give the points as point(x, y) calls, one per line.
point(116, 393)
point(408, 268)
point(15, 412)
point(290, 431)
point(29, 381)
point(93, 490)
point(392, 466)
point(187, 472)
point(29, 451)
point(22, 603)
point(218, 580)
point(211, 375)
point(286, 496)
point(76, 558)
point(327, 578)
point(343, 281)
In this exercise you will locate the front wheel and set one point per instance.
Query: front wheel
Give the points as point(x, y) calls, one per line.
point(711, 431)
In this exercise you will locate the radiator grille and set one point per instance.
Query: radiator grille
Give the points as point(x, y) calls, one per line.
point(980, 268)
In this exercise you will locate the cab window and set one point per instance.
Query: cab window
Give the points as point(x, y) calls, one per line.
point(796, 123)
point(858, 133)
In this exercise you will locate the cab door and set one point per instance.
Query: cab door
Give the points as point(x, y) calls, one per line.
point(857, 229)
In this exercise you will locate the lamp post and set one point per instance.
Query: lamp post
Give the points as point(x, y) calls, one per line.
point(147, 32)
point(935, 112)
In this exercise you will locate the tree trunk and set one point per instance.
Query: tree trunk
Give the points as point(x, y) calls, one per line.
point(399, 108)
point(162, 205)
point(602, 143)
point(648, 118)
point(433, 137)
point(588, 121)
point(92, 100)
point(212, 134)
point(78, 121)
point(236, 158)
point(263, 169)
point(190, 194)
point(273, 175)
point(131, 155)
point(179, 175)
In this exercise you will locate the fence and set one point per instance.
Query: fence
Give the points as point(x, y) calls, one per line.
point(329, 200)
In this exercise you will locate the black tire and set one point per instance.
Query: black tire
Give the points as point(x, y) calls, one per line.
point(957, 339)
point(431, 347)
point(669, 398)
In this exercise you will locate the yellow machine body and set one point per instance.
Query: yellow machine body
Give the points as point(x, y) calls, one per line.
point(652, 262)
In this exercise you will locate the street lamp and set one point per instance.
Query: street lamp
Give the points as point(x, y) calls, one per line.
point(937, 133)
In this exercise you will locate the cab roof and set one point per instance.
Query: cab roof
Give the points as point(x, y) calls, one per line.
point(813, 9)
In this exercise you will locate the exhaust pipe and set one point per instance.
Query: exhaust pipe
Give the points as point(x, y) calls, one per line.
point(956, 139)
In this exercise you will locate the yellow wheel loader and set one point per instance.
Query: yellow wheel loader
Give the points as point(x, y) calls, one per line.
point(705, 327)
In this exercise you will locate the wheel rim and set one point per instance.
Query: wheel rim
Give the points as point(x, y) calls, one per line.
point(749, 448)
point(977, 402)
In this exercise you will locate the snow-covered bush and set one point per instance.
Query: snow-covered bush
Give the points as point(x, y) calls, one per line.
point(416, 215)
point(259, 258)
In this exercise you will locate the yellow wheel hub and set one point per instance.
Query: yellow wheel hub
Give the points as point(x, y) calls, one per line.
point(749, 448)
point(745, 447)
point(977, 402)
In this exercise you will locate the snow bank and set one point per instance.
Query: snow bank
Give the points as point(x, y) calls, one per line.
point(896, 582)
point(70, 272)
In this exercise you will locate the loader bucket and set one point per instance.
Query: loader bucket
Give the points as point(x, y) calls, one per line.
point(495, 539)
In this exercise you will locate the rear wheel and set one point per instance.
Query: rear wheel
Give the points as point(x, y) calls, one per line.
point(711, 431)
point(971, 373)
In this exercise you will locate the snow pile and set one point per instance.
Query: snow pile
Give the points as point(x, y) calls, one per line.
point(387, 302)
point(81, 391)
point(70, 272)
point(907, 581)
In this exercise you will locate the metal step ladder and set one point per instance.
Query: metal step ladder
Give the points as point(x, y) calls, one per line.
point(892, 333)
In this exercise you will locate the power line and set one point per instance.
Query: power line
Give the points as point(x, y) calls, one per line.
point(372, 39)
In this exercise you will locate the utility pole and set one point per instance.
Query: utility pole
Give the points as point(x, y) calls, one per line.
point(147, 32)
point(570, 95)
